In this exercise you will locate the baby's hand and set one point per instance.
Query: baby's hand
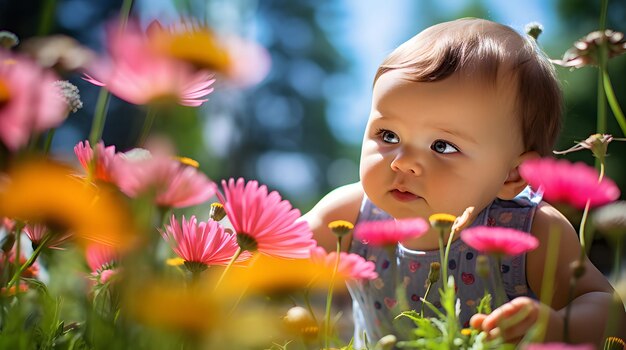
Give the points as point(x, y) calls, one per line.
point(511, 321)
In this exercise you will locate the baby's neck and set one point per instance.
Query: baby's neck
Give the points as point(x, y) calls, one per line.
point(428, 241)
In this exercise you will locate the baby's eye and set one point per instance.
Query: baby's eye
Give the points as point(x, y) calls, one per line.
point(388, 136)
point(441, 146)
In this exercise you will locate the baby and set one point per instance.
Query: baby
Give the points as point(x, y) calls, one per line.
point(455, 111)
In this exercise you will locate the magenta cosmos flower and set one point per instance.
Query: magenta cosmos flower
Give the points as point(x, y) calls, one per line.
point(176, 185)
point(571, 183)
point(102, 261)
point(29, 101)
point(499, 240)
point(390, 232)
point(104, 161)
point(139, 74)
point(265, 222)
point(206, 242)
point(37, 232)
point(351, 266)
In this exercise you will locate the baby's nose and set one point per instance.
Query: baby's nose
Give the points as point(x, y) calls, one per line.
point(406, 163)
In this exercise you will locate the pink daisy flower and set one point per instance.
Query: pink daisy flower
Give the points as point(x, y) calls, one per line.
point(265, 222)
point(29, 101)
point(104, 163)
point(37, 232)
point(572, 183)
point(140, 75)
point(390, 232)
point(206, 242)
point(499, 240)
point(176, 185)
point(351, 266)
point(102, 261)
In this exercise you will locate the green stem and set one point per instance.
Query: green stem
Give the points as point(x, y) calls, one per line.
point(47, 16)
point(29, 262)
point(613, 103)
point(147, 125)
point(329, 296)
point(444, 265)
point(604, 7)
point(99, 117)
point(425, 296)
point(547, 287)
point(602, 60)
point(230, 264)
point(445, 257)
point(500, 293)
point(125, 13)
point(49, 137)
point(582, 231)
point(307, 302)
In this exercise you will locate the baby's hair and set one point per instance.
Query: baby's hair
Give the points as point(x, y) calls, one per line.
point(479, 48)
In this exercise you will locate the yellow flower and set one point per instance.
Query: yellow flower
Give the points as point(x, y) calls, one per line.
point(264, 274)
point(341, 227)
point(441, 221)
point(614, 343)
point(48, 192)
point(170, 306)
point(466, 331)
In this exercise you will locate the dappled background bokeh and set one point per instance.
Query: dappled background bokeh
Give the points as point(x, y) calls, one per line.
point(299, 130)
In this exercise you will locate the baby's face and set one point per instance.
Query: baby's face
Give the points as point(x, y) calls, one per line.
point(438, 147)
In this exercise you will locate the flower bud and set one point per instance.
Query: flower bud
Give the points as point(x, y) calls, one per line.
point(299, 321)
point(8, 39)
point(217, 212)
point(533, 29)
point(442, 222)
point(433, 273)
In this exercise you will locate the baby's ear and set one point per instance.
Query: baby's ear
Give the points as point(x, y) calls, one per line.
point(514, 183)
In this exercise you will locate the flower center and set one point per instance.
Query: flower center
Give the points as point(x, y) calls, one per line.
point(247, 242)
point(5, 94)
point(195, 266)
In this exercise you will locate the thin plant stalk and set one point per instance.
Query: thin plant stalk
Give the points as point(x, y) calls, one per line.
point(147, 125)
point(99, 118)
point(442, 256)
point(613, 103)
point(49, 137)
point(602, 61)
point(424, 299)
point(500, 293)
point(329, 296)
point(230, 264)
point(29, 262)
point(445, 257)
point(538, 332)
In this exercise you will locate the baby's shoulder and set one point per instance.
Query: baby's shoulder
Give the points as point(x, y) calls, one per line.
point(548, 219)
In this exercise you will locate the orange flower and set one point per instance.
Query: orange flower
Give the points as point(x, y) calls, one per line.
point(48, 192)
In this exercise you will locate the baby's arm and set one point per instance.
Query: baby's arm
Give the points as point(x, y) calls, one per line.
point(342, 203)
point(591, 303)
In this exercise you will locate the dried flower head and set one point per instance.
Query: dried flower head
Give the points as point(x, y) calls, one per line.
point(597, 143)
point(341, 227)
point(70, 94)
point(586, 50)
point(533, 29)
point(299, 321)
point(611, 219)
point(8, 39)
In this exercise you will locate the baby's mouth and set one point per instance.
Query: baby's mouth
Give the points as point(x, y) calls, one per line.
point(404, 196)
